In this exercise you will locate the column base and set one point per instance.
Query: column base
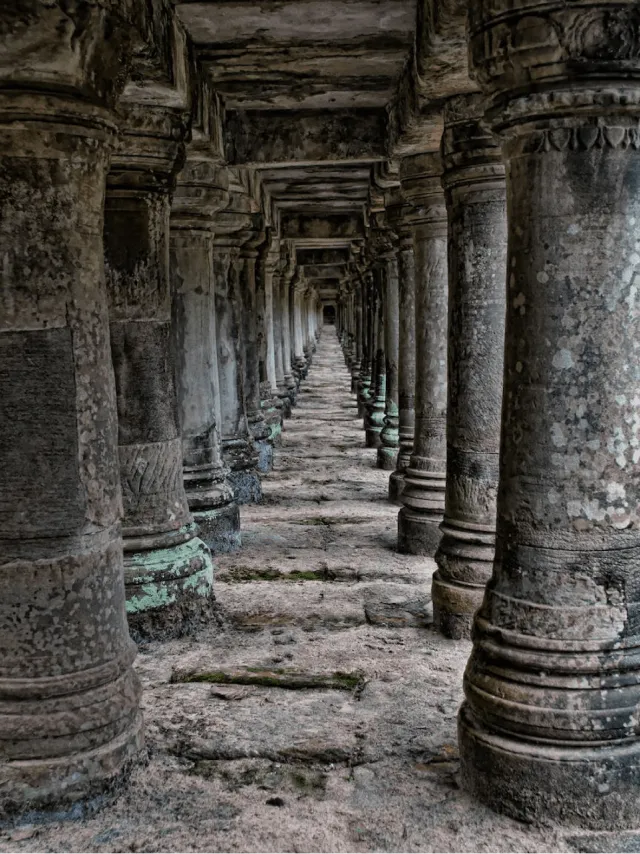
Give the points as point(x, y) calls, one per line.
point(70, 786)
point(247, 488)
point(454, 606)
point(396, 487)
point(577, 786)
point(265, 455)
point(465, 560)
point(418, 533)
point(387, 458)
point(220, 528)
point(373, 439)
point(168, 590)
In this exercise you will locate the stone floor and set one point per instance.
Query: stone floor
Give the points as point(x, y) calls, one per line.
point(325, 714)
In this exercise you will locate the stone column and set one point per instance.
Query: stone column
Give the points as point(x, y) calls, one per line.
point(356, 315)
point(238, 448)
point(70, 723)
point(250, 239)
point(398, 218)
point(289, 265)
point(201, 191)
point(423, 494)
point(549, 730)
point(388, 450)
point(168, 569)
point(278, 337)
point(475, 192)
point(271, 401)
point(298, 286)
point(374, 419)
point(364, 384)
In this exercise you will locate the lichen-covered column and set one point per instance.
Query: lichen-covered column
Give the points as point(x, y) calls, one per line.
point(423, 494)
point(374, 419)
point(70, 724)
point(475, 192)
point(168, 570)
point(250, 239)
point(549, 730)
point(238, 448)
point(388, 450)
point(201, 191)
point(398, 219)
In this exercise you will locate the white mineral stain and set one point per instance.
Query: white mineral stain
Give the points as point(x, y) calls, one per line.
point(563, 359)
point(557, 435)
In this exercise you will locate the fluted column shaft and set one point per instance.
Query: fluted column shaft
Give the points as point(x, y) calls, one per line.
point(549, 729)
point(475, 191)
point(423, 495)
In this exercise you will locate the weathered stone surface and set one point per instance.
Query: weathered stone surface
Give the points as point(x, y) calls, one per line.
point(70, 724)
point(397, 214)
point(475, 191)
point(373, 768)
point(424, 478)
point(202, 190)
point(163, 561)
point(553, 677)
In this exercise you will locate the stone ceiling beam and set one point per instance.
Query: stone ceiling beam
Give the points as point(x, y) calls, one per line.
point(328, 227)
point(265, 137)
point(437, 70)
point(322, 256)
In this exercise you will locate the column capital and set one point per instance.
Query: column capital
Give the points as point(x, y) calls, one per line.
point(150, 150)
point(578, 60)
point(421, 182)
point(470, 154)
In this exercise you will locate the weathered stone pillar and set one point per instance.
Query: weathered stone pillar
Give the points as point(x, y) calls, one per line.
point(70, 723)
point(475, 192)
point(549, 730)
point(368, 314)
point(356, 315)
point(289, 267)
point(168, 569)
point(238, 450)
point(388, 450)
point(267, 301)
point(398, 219)
point(298, 286)
point(250, 239)
point(201, 191)
point(374, 419)
point(423, 494)
point(278, 336)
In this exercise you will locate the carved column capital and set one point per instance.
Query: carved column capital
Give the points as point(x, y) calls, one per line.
point(470, 154)
point(421, 182)
point(558, 61)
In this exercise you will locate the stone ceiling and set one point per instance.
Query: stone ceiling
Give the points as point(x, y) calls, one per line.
point(306, 86)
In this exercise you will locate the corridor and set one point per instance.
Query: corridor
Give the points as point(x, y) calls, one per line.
point(318, 713)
